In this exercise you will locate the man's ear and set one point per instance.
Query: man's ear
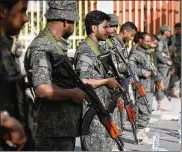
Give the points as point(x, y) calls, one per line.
point(94, 28)
point(65, 24)
point(124, 32)
point(3, 11)
point(140, 40)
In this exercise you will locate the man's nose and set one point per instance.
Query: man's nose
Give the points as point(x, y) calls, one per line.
point(26, 19)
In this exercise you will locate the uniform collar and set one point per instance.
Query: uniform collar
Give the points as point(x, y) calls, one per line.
point(121, 41)
point(63, 43)
point(141, 49)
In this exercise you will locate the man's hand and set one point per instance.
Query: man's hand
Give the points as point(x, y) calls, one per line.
point(162, 87)
point(16, 134)
point(172, 72)
point(147, 74)
point(112, 83)
point(131, 81)
point(77, 95)
point(169, 62)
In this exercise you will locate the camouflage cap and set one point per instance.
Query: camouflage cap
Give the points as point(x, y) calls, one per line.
point(164, 28)
point(114, 20)
point(63, 9)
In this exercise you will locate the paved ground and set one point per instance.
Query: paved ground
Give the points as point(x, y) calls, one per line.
point(167, 126)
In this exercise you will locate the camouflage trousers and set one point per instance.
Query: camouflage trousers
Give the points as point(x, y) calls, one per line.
point(166, 78)
point(98, 139)
point(165, 75)
point(143, 116)
point(55, 144)
point(176, 78)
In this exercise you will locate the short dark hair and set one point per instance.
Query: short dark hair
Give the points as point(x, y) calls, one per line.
point(9, 3)
point(128, 26)
point(137, 36)
point(143, 34)
point(177, 25)
point(162, 32)
point(154, 37)
point(95, 18)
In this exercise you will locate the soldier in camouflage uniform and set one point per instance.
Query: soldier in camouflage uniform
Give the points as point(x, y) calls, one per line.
point(175, 50)
point(141, 64)
point(58, 99)
point(13, 101)
point(158, 93)
point(164, 63)
point(93, 72)
point(127, 31)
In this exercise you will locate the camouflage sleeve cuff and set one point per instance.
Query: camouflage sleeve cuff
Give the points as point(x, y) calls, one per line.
point(41, 76)
point(41, 68)
point(160, 57)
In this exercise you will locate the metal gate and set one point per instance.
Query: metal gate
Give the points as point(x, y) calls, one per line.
point(147, 15)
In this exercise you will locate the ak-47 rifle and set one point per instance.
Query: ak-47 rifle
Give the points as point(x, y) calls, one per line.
point(133, 75)
point(95, 107)
point(124, 91)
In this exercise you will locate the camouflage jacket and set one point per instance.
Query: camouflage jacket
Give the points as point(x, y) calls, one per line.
point(60, 118)
point(162, 52)
point(12, 86)
point(90, 67)
point(176, 41)
point(104, 45)
point(176, 49)
point(141, 61)
point(12, 89)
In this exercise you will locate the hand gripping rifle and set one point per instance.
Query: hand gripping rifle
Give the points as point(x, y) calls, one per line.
point(95, 107)
point(125, 94)
point(153, 71)
point(134, 76)
point(159, 86)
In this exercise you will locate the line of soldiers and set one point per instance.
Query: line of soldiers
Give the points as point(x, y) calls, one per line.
point(60, 104)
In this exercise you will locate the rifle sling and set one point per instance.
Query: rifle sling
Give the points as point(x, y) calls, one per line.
point(53, 40)
point(97, 52)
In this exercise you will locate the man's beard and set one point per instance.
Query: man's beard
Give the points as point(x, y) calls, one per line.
point(67, 35)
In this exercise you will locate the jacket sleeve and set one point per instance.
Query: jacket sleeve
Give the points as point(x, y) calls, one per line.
point(133, 61)
point(159, 53)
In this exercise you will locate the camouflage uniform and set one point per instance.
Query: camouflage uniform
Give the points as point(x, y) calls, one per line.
point(12, 89)
point(122, 48)
point(56, 120)
point(140, 62)
point(176, 58)
point(105, 46)
point(91, 68)
point(158, 93)
point(162, 55)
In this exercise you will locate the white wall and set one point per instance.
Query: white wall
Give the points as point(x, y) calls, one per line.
point(105, 6)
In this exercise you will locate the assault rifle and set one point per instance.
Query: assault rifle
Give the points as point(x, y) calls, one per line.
point(96, 107)
point(124, 91)
point(133, 75)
